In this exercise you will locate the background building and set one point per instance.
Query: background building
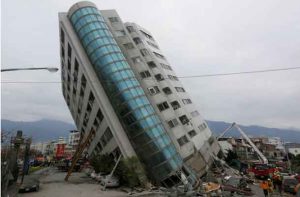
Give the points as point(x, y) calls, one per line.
point(119, 86)
point(40, 147)
point(74, 137)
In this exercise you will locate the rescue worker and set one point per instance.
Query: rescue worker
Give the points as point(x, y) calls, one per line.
point(271, 187)
point(297, 190)
point(264, 185)
point(277, 180)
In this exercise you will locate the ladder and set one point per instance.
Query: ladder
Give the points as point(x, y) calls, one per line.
point(79, 152)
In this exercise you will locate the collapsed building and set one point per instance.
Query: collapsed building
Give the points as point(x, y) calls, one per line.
point(118, 85)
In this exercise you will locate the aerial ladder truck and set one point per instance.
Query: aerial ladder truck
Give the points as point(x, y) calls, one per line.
point(262, 158)
point(262, 169)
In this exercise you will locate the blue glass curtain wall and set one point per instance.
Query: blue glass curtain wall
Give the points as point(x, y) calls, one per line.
point(142, 125)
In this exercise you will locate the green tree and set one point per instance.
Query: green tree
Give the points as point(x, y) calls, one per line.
point(130, 171)
point(102, 163)
point(231, 155)
point(295, 161)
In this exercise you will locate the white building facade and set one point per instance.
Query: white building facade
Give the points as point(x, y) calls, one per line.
point(74, 137)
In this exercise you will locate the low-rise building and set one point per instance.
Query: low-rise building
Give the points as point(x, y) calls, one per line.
point(272, 148)
point(225, 145)
point(39, 146)
point(74, 137)
point(294, 151)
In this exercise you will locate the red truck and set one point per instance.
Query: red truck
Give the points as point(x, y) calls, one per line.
point(263, 170)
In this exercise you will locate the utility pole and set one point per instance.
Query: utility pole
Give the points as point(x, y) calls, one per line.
point(26, 159)
point(287, 157)
point(17, 142)
point(10, 169)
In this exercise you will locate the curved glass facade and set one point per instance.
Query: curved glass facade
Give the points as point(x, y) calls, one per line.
point(144, 129)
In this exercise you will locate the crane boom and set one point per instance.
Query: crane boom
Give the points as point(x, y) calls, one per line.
point(225, 131)
point(259, 153)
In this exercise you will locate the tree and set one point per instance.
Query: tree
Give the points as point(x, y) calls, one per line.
point(231, 155)
point(102, 163)
point(130, 171)
point(295, 161)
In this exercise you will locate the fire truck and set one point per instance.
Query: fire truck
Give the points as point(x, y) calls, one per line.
point(261, 169)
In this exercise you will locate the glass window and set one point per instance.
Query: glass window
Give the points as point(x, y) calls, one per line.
point(137, 40)
point(166, 139)
point(159, 77)
point(202, 126)
point(62, 36)
point(142, 139)
point(130, 29)
point(186, 101)
point(146, 35)
point(69, 51)
point(183, 140)
point(173, 123)
point(174, 78)
point(144, 52)
point(179, 89)
point(165, 66)
point(153, 90)
point(173, 164)
point(192, 133)
point(156, 131)
point(145, 74)
point(163, 106)
point(184, 119)
point(129, 45)
point(113, 19)
point(129, 119)
point(159, 55)
point(167, 90)
point(175, 105)
point(151, 64)
point(167, 153)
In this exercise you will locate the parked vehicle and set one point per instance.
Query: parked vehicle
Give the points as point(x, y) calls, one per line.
point(297, 177)
point(289, 183)
point(110, 181)
point(100, 176)
point(29, 184)
point(88, 171)
point(93, 175)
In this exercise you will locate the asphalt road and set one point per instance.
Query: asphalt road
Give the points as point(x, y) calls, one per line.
point(52, 184)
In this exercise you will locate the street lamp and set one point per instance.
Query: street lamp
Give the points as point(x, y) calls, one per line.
point(50, 69)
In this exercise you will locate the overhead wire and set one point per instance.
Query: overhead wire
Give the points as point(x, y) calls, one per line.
point(181, 77)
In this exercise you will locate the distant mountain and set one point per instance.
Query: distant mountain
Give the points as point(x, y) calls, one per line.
point(44, 130)
point(288, 135)
point(41, 130)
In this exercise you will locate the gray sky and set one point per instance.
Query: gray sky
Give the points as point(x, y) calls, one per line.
point(197, 37)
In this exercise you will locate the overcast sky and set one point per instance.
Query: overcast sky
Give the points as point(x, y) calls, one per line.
point(198, 37)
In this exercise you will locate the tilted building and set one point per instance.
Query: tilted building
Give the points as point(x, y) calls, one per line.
point(117, 83)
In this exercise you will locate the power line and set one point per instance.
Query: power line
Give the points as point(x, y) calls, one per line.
point(31, 82)
point(242, 72)
point(182, 77)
